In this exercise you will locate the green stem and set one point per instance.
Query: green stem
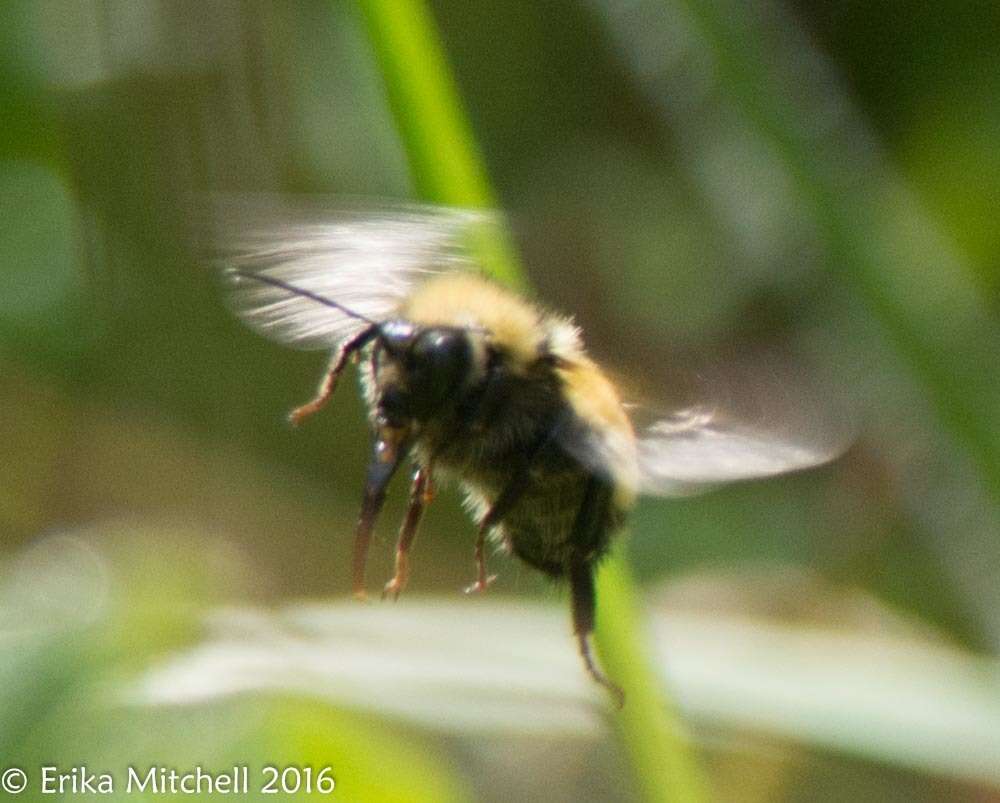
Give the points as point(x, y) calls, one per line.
point(447, 169)
point(654, 736)
point(438, 140)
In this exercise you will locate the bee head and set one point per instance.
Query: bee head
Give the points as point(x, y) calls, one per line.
point(424, 369)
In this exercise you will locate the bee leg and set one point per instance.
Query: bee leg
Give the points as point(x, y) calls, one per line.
point(581, 585)
point(419, 497)
point(389, 450)
point(329, 382)
point(510, 495)
point(589, 537)
point(483, 580)
point(507, 499)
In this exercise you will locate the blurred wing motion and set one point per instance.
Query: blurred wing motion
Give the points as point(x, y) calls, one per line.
point(695, 449)
point(366, 260)
point(698, 448)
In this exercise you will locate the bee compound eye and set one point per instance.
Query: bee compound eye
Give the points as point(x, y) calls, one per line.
point(441, 349)
point(437, 365)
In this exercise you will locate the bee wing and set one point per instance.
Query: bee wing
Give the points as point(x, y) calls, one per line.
point(692, 451)
point(698, 447)
point(757, 416)
point(366, 259)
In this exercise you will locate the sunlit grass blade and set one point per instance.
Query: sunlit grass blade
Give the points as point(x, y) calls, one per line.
point(441, 151)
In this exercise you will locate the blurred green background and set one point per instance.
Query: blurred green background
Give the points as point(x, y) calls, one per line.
point(697, 182)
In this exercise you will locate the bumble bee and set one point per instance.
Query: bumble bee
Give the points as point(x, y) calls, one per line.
point(471, 381)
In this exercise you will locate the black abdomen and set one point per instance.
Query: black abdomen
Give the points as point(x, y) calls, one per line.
point(563, 513)
point(562, 519)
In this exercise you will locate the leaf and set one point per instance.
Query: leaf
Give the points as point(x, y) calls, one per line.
point(509, 668)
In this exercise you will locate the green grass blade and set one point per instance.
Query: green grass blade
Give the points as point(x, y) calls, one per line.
point(440, 148)
point(446, 169)
point(653, 734)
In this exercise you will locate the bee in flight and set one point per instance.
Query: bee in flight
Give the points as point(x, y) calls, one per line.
point(471, 381)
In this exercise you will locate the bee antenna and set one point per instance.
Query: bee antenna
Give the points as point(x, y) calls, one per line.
point(301, 291)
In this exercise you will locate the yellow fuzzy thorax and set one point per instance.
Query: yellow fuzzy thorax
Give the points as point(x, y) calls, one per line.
point(594, 398)
point(467, 300)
